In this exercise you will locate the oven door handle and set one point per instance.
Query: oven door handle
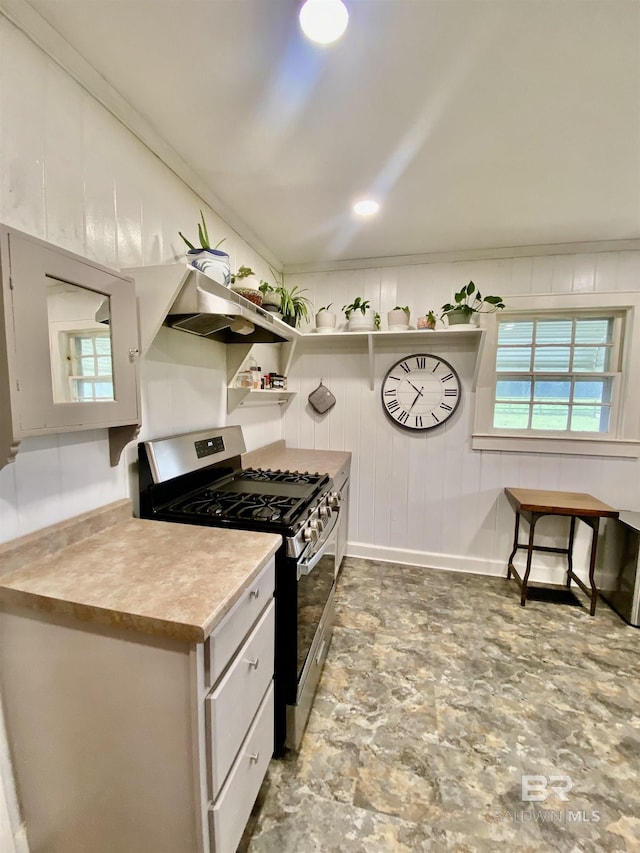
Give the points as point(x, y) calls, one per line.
point(308, 563)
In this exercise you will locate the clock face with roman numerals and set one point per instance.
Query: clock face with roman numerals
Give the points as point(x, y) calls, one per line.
point(420, 392)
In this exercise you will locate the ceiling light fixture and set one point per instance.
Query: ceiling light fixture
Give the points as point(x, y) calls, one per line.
point(366, 207)
point(323, 21)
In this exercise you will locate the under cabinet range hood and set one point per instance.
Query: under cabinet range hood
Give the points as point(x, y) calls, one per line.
point(208, 309)
point(181, 297)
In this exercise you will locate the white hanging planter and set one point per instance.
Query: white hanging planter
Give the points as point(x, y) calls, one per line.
point(325, 322)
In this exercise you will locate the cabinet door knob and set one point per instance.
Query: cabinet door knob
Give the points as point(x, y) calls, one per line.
point(255, 593)
point(253, 758)
point(134, 352)
point(254, 663)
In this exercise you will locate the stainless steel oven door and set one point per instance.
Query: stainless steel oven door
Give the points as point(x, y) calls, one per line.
point(315, 593)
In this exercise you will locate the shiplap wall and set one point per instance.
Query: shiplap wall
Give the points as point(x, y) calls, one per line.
point(429, 499)
point(74, 175)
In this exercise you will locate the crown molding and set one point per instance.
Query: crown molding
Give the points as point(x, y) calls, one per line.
point(631, 245)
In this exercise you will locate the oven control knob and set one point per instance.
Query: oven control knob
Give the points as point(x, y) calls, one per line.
point(334, 500)
point(310, 533)
point(324, 512)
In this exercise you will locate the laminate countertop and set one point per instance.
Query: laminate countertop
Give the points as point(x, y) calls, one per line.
point(280, 457)
point(108, 568)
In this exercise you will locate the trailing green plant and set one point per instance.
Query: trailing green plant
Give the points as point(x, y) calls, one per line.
point(264, 287)
point(431, 317)
point(324, 308)
point(243, 272)
point(376, 321)
point(358, 304)
point(470, 301)
point(404, 308)
point(203, 237)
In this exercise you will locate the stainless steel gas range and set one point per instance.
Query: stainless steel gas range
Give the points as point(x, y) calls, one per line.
point(197, 478)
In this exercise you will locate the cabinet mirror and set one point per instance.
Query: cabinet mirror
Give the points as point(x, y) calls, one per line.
point(69, 345)
point(79, 343)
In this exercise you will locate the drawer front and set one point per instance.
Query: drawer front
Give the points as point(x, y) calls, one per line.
point(235, 626)
point(229, 816)
point(233, 704)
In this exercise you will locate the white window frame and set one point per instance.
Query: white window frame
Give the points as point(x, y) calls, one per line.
point(623, 439)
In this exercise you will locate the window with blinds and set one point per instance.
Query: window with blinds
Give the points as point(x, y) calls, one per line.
point(557, 374)
point(90, 366)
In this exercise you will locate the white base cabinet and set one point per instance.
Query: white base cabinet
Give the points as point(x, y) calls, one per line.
point(134, 743)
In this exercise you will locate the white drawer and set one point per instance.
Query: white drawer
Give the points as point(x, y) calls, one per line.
point(223, 642)
point(231, 707)
point(229, 815)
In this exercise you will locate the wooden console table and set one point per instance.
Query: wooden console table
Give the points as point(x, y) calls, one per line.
point(533, 504)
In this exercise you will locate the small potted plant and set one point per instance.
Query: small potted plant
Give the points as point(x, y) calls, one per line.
point(211, 261)
point(467, 302)
point(293, 305)
point(360, 315)
point(428, 321)
point(245, 283)
point(398, 318)
point(325, 320)
point(270, 297)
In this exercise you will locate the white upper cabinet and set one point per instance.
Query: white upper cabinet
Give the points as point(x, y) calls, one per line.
point(69, 345)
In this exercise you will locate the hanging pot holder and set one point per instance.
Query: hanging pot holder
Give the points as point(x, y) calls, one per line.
point(321, 399)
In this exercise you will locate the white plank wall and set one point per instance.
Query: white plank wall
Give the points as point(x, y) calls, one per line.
point(429, 499)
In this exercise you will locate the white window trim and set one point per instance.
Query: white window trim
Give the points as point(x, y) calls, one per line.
point(625, 442)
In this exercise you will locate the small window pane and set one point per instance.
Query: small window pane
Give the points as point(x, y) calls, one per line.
point(86, 345)
point(554, 331)
point(513, 389)
point(550, 417)
point(552, 392)
point(511, 416)
point(104, 390)
point(593, 391)
point(552, 359)
point(515, 332)
point(87, 366)
point(590, 418)
point(103, 346)
point(104, 365)
point(513, 360)
point(591, 359)
point(594, 331)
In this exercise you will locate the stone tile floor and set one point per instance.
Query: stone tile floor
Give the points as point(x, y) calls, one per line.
point(439, 693)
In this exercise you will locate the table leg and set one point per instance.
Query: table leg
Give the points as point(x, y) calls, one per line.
point(592, 566)
point(515, 545)
point(525, 579)
point(572, 531)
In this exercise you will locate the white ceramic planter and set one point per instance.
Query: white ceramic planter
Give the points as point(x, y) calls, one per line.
point(397, 319)
point(211, 262)
point(359, 322)
point(325, 322)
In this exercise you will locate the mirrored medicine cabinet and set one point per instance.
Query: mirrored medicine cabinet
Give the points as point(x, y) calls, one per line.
point(69, 345)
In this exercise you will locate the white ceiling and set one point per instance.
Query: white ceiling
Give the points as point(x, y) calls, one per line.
point(477, 123)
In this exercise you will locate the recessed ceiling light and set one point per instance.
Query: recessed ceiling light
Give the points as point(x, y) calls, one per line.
point(323, 21)
point(366, 207)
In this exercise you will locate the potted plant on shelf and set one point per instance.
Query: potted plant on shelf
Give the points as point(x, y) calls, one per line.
point(293, 305)
point(270, 297)
point(359, 315)
point(245, 283)
point(428, 321)
point(467, 302)
point(211, 261)
point(398, 318)
point(325, 320)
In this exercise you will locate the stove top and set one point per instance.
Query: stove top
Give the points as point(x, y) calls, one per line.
point(253, 495)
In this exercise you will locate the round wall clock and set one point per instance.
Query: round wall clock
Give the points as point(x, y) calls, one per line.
point(420, 392)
